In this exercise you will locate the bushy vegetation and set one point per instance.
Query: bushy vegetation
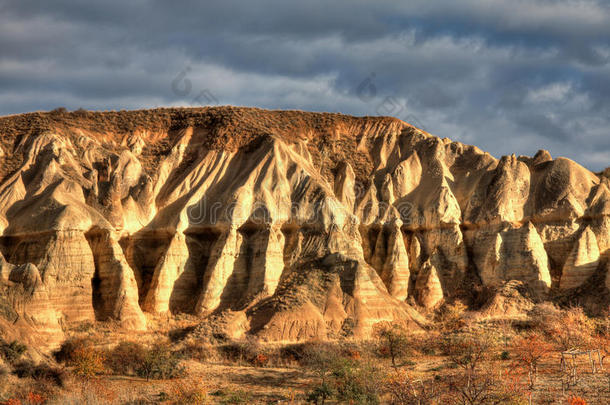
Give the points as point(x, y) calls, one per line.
point(393, 340)
point(160, 362)
point(340, 375)
point(41, 372)
point(126, 358)
point(457, 361)
point(12, 352)
point(82, 356)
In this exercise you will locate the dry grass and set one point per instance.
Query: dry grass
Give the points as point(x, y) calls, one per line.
point(248, 371)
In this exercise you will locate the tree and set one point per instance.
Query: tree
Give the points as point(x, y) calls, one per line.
point(528, 352)
point(393, 341)
point(404, 390)
point(467, 351)
point(475, 384)
point(568, 329)
point(482, 386)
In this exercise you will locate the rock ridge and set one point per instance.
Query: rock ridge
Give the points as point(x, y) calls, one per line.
point(299, 225)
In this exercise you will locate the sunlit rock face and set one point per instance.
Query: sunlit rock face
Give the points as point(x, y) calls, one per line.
point(300, 225)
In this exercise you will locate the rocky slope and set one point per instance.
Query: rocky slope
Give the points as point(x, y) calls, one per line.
point(287, 225)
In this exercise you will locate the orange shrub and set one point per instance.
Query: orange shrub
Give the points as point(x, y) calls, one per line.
point(189, 392)
point(574, 400)
point(260, 360)
point(87, 362)
point(35, 399)
point(528, 352)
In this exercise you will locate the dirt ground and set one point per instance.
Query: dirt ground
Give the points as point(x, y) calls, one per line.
point(223, 384)
point(232, 384)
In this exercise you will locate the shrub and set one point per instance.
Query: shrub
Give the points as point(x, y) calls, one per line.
point(84, 327)
point(341, 378)
point(81, 112)
point(248, 351)
point(189, 393)
point(450, 317)
point(80, 354)
point(354, 383)
point(352, 353)
point(59, 110)
point(3, 372)
point(125, 358)
point(481, 386)
point(65, 354)
point(467, 351)
point(243, 351)
point(574, 400)
point(87, 362)
point(233, 396)
point(406, 391)
point(198, 350)
point(160, 363)
point(35, 399)
point(40, 372)
point(320, 357)
point(260, 360)
point(12, 351)
point(427, 344)
point(567, 329)
point(321, 393)
point(295, 352)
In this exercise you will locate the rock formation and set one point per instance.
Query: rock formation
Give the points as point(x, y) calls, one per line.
point(294, 224)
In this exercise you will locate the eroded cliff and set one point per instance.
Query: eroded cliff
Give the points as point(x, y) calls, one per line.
point(304, 224)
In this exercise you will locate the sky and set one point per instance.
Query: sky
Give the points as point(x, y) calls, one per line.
point(509, 76)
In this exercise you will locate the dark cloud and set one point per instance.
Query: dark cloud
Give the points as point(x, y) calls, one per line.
point(506, 75)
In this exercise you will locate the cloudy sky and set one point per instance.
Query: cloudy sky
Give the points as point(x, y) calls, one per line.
point(506, 75)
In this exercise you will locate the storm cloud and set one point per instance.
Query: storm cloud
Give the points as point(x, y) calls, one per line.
point(509, 76)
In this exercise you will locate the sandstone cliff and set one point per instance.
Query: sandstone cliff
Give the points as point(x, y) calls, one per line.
point(305, 224)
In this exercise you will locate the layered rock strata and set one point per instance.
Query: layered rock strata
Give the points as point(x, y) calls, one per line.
point(307, 225)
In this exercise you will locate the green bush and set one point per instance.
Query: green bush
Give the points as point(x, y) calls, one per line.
point(233, 396)
point(393, 341)
point(40, 372)
point(12, 351)
point(356, 384)
point(160, 363)
point(342, 378)
point(321, 393)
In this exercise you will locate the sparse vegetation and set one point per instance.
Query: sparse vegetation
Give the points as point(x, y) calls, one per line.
point(41, 372)
point(12, 352)
point(126, 358)
point(393, 341)
point(160, 363)
point(477, 363)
